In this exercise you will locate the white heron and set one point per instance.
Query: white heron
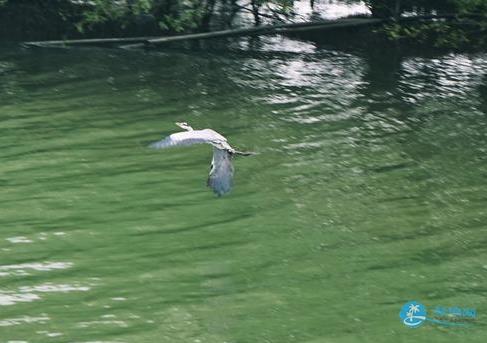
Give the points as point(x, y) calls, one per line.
point(221, 172)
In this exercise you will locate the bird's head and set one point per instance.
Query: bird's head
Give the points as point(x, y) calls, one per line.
point(184, 125)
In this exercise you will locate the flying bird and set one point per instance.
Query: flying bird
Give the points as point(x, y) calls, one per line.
point(221, 171)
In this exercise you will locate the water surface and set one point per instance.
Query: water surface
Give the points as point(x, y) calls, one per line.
point(369, 190)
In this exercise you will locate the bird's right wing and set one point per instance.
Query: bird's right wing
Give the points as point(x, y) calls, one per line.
point(182, 138)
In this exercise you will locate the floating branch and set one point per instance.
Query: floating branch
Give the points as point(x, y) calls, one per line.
point(94, 41)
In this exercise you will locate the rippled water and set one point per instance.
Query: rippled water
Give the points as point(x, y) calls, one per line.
point(369, 190)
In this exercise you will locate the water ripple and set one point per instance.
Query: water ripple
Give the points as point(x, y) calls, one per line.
point(29, 293)
point(21, 269)
point(24, 320)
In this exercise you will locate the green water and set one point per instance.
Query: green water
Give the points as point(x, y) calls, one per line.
point(369, 190)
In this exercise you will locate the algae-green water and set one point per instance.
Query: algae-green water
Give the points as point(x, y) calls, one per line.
point(368, 191)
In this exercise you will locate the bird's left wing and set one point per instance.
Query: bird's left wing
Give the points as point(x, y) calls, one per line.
point(221, 173)
point(183, 138)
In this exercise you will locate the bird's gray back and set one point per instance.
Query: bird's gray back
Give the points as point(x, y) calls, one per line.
point(190, 137)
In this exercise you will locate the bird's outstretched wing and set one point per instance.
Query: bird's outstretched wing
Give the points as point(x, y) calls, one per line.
point(220, 179)
point(189, 138)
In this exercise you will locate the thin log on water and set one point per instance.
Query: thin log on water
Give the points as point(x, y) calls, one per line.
point(195, 36)
point(115, 41)
point(91, 41)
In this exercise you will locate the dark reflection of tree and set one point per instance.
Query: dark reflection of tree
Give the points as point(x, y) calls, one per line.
point(483, 95)
point(382, 63)
point(390, 95)
point(381, 76)
point(388, 82)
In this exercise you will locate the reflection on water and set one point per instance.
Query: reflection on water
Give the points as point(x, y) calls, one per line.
point(368, 191)
point(330, 9)
point(322, 10)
